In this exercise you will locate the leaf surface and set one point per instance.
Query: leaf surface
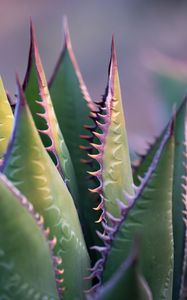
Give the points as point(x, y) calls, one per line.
point(115, 173)
point(177, 203)
point(127, 283)
point(149, 217)
point(39, 101)
point(31, 170)
point(75, 112)
point(26, 265)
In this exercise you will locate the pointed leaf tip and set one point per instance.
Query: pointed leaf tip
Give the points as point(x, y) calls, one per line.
point(113, 52)
point(32, 32)
point(66, 32)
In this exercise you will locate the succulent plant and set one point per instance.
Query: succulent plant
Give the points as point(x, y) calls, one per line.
point(78, 220)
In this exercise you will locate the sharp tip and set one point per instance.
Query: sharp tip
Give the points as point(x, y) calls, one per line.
point(32, 34)
point(113, 50)
point(66, 32)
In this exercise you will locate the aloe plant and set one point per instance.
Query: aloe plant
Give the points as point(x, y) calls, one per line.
point(78, 221)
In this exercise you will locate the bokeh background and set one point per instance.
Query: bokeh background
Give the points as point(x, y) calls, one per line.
point(148, 33)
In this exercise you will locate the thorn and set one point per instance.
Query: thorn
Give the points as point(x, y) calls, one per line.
point(98, 157)
point(86, 137)
point(59, 272)
point(59, 281)
point(96, 190)
point(140, 178)
point(100, 249)
point(44, 131)
point(129, 198)
point(122, 206)
point(57, 260)
point(47, 231)
point(61, 290)
point(107, 228)
point(53, 242)
point(66, 33)
point(89, 127)
point(41, 220)
point(42, 115)
point(102, 126)
point(103, 236)
point(41, 103)
point(97, 173)
point(100, 136)
point(86, 148)
point(99, 207)
point(100, 219)
point(50, 148)
point(114, 220)
point(99, 147)
point(86, 161)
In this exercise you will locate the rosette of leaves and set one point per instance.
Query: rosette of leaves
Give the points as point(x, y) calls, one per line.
point(77, 221)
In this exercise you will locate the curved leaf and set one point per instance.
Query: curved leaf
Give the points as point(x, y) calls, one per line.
point(6, 120)
point(127, 283)
point(115, 174)
point(150, 216)
point(26, 265)
point(177, 203)
point(39, 101)
point(31, 170)
point(75, 110)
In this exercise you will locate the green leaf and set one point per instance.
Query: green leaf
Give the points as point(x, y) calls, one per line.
point(26, 265)
point(6, 120)
point(127, 283)
point(31, 170)
point(180, 205)
point(150, 217)
point(177, 203)
point(179, 230)
point(39, 101)
point(75, 110)
point(115, 174)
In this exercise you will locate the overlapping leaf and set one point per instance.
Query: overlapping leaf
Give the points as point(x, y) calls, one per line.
point(127, 283)
point(149, 217)
point(39, 101)
point(26, 264)
point(115, 174)
point(31, 170)
point(178, 206)
point(75, 112)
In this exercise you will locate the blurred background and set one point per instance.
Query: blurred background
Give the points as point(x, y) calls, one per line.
point(150, 36)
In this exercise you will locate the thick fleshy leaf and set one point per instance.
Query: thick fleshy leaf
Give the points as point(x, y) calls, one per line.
point(26, 264)
point(6, 120)
point(178, 206)
point(75, 111)
point(127, 283)
point(149, 217)
point(182, 293)
point(39, 101)
point(115, 174)
point(31, 170)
